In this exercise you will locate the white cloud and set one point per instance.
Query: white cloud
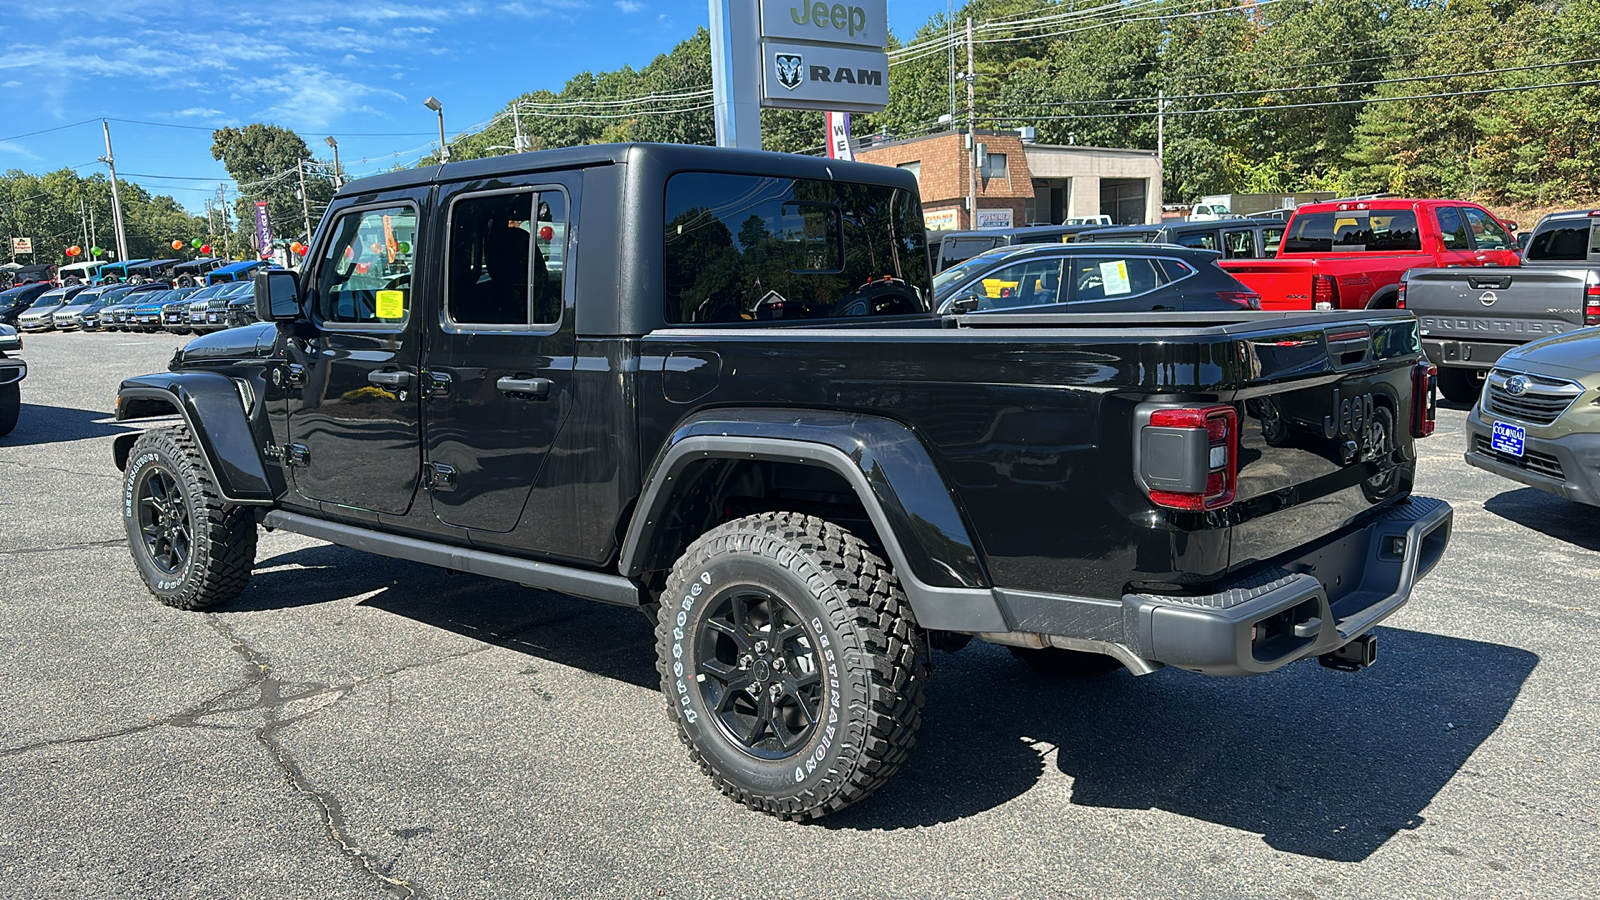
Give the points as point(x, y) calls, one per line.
point(196, 112)
point(630, 6)
point(16, 149)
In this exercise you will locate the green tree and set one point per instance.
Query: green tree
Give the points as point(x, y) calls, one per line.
point(264, 161)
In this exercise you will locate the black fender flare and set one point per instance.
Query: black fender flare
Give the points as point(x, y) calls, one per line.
point(213, 407)
point(893, 475)
point(1389, 294)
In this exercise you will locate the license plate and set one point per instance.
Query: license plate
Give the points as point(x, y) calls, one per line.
point(211, 317)
point(1509, 439)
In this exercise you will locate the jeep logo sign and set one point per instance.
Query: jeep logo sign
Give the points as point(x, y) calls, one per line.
point(817, 54)
point(859, 23)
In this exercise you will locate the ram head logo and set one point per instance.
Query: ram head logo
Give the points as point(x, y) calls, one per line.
point(789, 70)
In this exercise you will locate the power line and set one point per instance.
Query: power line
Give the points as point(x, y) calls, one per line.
point(1319, 104)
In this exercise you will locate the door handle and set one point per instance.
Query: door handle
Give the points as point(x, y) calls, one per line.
point(390, 379)
point(537, 388)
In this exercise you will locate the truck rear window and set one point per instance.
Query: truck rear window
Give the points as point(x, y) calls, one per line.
point(1353, 231)
point(1566, 241)
point(746, 248)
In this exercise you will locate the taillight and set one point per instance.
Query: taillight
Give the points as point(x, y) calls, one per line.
point(1324, 292)
point(1591, 300)
point(1400, 301)
point(1424, 398)
point(1246, 299)
point(1189, 456)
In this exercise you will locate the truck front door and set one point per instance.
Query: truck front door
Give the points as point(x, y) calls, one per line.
point(354, 434)
point(499, 365)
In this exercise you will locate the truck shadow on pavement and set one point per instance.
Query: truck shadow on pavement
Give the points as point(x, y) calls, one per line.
point(55, 424)
point(1319, 763)
point(1574, 523)
point(611, 641)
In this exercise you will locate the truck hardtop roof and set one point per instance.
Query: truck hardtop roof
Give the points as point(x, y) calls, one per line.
point(1570, 214)
point(669, 156)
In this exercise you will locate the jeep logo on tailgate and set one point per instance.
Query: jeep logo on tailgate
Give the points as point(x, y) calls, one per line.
point(1349, 420)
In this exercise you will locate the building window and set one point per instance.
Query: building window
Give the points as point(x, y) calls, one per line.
point(915, 168)
point(997, 166)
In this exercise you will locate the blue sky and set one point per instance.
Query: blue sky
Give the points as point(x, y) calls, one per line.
point(174, 70)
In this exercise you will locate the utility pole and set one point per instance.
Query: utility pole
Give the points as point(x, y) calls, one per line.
point(227, 233)
point(972, 134)
point(83, 218)
point(1161, 124)
point(950, 38)
point(519, 143)
point(116, 198)
point(94, 232)
point(305, 202)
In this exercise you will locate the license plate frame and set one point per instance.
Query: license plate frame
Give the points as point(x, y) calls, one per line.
point(1509, 439)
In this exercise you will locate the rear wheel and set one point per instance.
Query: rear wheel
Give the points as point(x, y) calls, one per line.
point(791, 664)
point(1458, 385)
point(10, 406)
point(193, 549)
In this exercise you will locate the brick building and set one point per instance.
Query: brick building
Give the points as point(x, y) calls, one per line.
point(1025, 183)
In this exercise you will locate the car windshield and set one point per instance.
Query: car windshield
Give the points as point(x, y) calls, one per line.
point(945, 282)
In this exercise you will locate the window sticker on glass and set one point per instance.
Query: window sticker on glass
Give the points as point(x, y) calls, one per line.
point(1114, 275)
point(391, 304)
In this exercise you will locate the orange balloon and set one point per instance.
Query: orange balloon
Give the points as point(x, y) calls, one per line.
point(74, 250)
point(177, 245)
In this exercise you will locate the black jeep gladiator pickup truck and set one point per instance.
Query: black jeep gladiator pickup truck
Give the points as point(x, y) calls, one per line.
point(1472, 316)
point(728, 404)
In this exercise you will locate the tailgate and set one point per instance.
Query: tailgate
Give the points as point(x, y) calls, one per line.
point(1512, 305)
point(1282, 283)
point(1325, 429)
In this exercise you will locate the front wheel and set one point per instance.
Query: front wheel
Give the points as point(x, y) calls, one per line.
point(193, 549)
point(791, 663)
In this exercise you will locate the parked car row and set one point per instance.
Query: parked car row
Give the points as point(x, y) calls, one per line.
point(148, 307)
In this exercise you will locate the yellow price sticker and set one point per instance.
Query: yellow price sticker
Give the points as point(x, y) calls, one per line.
point(391, 304)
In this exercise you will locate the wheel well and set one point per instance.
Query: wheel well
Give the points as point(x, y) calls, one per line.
point(713, 491)
point(1384, 299)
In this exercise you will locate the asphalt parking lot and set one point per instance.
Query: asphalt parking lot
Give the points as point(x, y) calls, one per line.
point(354, 726)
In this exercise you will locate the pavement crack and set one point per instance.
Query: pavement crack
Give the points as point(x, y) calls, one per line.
point(21, 550)
point(272, 700)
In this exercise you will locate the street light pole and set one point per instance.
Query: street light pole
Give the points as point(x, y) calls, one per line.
point(444, 149)
point(338, 179)
point(116, 199)
point(305, 202)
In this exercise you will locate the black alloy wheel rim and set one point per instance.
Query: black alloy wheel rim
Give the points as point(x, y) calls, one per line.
point(760, 673)
point(163, 520)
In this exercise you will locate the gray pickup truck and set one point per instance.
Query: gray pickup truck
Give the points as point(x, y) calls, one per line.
point(1470, 317)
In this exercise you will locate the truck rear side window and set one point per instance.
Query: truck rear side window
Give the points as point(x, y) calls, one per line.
point(1354, 231)
point(1568, 241)
point(744, 248)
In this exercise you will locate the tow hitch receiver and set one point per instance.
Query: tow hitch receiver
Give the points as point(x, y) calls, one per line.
point(1354, 656)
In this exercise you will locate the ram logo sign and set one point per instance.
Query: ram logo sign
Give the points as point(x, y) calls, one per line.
point(789, 69)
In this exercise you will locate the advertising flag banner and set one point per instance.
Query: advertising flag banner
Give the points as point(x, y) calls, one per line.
point(263, 228)
point(839, 136)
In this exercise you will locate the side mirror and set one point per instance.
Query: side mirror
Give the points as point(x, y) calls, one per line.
point(966, 303)
point(277, 295)
point(1511, 224)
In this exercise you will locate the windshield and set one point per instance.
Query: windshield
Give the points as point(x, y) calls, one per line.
point(945, 282)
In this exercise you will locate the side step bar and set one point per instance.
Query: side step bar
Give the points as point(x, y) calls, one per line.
point(579, 582)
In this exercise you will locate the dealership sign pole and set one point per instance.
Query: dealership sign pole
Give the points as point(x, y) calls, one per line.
point(801, 54)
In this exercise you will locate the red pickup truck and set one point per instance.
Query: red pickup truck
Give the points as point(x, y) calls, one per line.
point(1350, 254)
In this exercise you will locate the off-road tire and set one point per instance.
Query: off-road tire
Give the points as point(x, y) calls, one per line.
point(1458, 385)
point(1059, 663)
point(853, 621)
point(221, 537)
point(10, 406)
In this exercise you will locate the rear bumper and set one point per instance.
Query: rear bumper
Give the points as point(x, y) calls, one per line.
point(1568, 466)
point(1308, 604)
point(1466, 354)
